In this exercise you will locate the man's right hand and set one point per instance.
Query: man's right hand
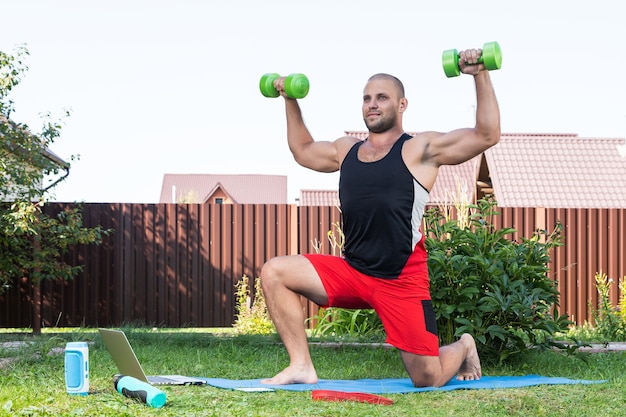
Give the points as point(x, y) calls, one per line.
point(468, 62)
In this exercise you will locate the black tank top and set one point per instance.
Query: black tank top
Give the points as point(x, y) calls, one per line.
point(381, 209)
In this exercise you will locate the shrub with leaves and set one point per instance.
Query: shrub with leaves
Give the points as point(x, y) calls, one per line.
point(485, 284)
point(33, 244)
point(252, 315)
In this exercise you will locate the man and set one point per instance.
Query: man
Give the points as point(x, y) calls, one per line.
point(383, 188)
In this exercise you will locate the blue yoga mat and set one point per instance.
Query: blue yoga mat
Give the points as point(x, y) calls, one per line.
point(395, 386)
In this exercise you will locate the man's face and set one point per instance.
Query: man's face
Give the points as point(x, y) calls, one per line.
point(380, 105)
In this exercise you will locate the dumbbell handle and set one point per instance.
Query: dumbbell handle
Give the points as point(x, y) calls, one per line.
point(134, 388)
point(491, 57)
point(480, 60)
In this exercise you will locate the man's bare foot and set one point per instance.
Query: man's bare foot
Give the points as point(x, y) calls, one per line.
point(293, 375)
point(470, 368)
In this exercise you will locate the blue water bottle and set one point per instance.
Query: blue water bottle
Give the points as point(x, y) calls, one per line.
point(134, 388)
point(77, 368)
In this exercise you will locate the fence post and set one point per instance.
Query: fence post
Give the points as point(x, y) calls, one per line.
point(294, 233)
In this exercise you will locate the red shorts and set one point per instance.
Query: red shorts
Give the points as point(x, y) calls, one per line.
point(403, 304)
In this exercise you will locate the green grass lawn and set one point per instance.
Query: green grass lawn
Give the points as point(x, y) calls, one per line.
point(32, 382)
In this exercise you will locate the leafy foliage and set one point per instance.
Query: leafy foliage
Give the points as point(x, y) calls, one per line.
point(12, 69)
point(610, 322)
point(344, 322)
point(32, 243)
point(485, 284)
point(252, 315)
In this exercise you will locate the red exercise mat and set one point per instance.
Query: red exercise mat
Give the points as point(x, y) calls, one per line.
point(328, 395)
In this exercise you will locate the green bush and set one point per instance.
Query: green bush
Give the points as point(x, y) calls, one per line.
point(481, 283)
point(485, 284)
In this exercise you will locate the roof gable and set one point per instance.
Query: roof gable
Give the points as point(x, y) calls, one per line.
point(218, 192)
point(240, 189)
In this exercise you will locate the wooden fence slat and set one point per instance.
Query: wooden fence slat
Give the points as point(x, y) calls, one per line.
point(215, 258)
point(583, 264)
point(182, 272)
point(205, 270)
point(612, 253)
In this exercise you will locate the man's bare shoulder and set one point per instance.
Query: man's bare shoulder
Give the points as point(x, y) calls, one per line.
point(426, 135)
point(344, 144)
point(349, 139)
point(418, 149)
point(347, 142)
point(422, 140)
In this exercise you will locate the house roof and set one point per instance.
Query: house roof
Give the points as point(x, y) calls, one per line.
point(242, 189)
point(558, 171)
point(10, 125)
point(522, 170)
point(539, 170)
point(319, 198)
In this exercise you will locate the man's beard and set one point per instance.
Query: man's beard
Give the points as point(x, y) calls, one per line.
point(382, 125)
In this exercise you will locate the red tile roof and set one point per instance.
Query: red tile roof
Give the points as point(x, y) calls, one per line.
point(242, 189)
point(525, 170)
point(558, 171)
point(319, 198)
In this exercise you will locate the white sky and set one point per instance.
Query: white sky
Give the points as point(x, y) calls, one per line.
point(159, 87)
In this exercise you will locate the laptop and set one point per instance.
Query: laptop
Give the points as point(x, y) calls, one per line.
point(127, 363)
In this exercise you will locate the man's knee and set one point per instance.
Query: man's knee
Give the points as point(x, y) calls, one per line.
point(295, 274)
point(425, 378)
point(269, 275)
point(275, 274)
point(424, 371)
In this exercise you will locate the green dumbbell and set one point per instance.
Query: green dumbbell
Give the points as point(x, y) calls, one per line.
point(491, 57)
point(296, 85)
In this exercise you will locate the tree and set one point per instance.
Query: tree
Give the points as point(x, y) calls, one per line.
point(32, 243)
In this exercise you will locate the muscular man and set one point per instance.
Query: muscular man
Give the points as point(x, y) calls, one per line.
point(383, 189)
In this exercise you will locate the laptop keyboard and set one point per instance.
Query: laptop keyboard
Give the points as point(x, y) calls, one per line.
point(160, 380)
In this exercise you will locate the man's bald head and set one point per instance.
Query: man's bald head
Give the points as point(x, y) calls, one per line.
point(397, 83)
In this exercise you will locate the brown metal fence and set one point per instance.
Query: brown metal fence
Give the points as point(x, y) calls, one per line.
point(177, 265)
point(594, 240)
